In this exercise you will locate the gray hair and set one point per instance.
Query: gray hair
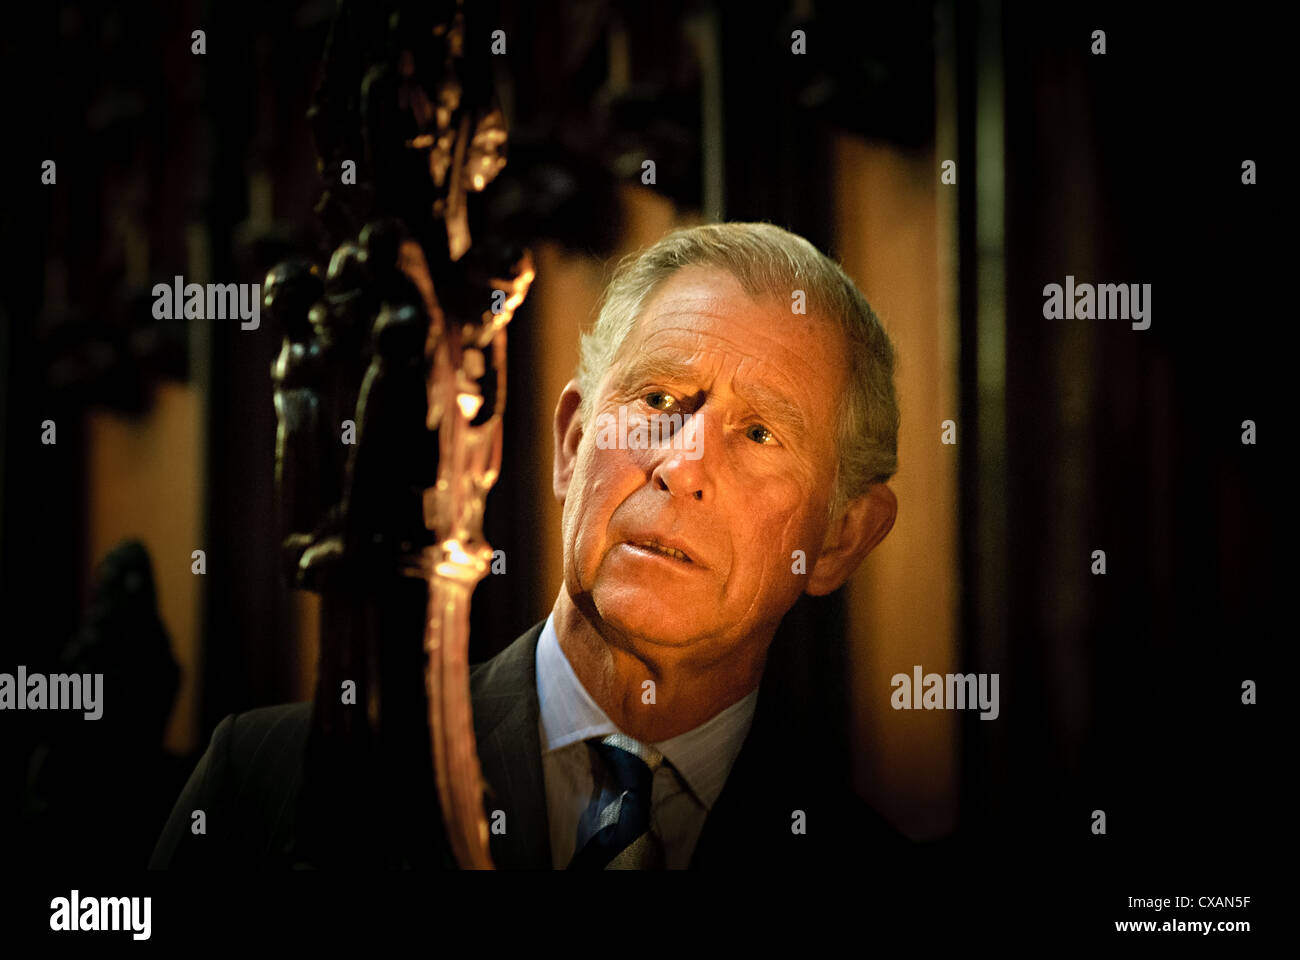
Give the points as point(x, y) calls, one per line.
point(768, 261)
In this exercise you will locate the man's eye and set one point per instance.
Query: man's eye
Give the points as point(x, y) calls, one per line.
point(660, 400)
point(760, 434)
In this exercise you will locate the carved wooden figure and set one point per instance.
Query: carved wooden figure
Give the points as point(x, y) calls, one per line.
point(406, 337)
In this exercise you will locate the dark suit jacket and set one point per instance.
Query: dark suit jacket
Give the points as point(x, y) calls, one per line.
point(248, 780)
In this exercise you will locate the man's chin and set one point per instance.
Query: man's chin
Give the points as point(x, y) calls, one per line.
point(637, 616)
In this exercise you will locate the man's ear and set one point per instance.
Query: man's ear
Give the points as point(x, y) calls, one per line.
point(863, 524)
point(568, 433)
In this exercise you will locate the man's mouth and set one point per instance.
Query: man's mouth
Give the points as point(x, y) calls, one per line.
point(656, 547)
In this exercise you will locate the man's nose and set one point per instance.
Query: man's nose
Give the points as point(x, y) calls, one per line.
point(686, 463)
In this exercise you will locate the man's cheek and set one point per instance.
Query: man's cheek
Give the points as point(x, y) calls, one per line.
point(600, 465)
point(797, 553)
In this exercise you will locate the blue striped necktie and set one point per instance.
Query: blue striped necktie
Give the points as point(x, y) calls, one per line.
point(620, 837)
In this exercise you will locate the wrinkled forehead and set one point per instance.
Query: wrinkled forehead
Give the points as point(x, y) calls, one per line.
point(701, 301)
point(707, 331)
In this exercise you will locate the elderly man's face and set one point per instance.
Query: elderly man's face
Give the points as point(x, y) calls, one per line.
point(762, 385)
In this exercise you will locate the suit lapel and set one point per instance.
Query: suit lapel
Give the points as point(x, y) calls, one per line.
point(504, 696)
point(755, 800)
point(723, 838)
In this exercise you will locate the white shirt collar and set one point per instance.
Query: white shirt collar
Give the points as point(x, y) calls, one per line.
point(568, 714)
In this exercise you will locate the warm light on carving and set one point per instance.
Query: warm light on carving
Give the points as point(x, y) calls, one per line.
point(469, 405)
